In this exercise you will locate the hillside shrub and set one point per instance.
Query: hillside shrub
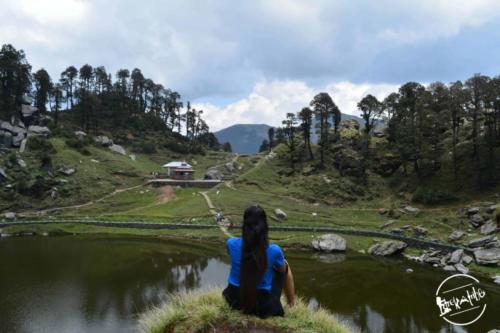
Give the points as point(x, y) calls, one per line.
point(40, 145)
point(79, 144)
point(144, 147)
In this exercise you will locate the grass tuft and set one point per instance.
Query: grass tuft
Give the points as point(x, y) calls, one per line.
point(206, 311)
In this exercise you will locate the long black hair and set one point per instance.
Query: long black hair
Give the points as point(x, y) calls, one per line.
point(253, 255)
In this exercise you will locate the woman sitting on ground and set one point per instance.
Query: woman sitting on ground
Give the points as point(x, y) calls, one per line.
point(259, 271)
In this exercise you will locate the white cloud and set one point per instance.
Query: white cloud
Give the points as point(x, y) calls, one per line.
point(271, 100)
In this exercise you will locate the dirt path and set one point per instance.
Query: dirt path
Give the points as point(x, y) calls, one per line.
point(213, 211)
point(166, 194)
point(89, 203)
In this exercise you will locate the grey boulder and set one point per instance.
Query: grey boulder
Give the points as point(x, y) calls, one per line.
point(387, 248)
point(213, 174)
point(280, 214)
point(456, 235)
point(483, 241)
point(329, 243)
point(230, 167)
point(489, 256)
point(489, 227)
point(117, 149)
point(411, 209)
point(420, 231)
point(456, 257)
point(10, 216)
point(476, 220)
point(473, 210)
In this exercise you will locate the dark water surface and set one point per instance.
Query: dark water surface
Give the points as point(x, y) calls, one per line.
point(96, 284)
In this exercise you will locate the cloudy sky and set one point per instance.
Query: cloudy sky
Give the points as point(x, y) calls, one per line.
point(252, 61)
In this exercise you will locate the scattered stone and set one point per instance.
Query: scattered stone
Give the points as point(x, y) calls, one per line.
point(10, 215)
point(456, 257)
point(117, 149)
point(487, 203)
point(327, 180)
point(420, 231)
point(431, 258)
point(80, 134)
point(21, 163)
point(329, 243)
point(409, 270)
point(103, 140)
point(214, 174)
point(411, 210)
point(492, 208)
point(94, 161)
point(383, 211)
point(3, 175)
point(132, 157)
point(449, 268)
point(461, 268)
point(489, 256)
point(456, 235)
point(483, 241)
point(489, 227)
point(388, 223)
point(473, 211)
point(476, 220)
point(280, 214)
point(230, 167)
point(496, 279)
point(467, 259)
point(397, 231)
point(67, 171)
point(387, 248)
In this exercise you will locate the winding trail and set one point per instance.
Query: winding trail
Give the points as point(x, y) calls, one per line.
point(213, 211)
point(88, 203)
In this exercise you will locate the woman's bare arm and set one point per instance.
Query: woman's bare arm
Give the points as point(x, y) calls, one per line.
point(289, 285)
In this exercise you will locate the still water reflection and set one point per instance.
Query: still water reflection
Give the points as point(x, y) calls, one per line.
point(75, 284)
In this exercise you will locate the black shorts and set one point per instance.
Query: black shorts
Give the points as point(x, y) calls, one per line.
point(268, 302)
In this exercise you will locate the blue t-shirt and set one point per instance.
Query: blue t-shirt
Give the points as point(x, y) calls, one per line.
point(275, 258)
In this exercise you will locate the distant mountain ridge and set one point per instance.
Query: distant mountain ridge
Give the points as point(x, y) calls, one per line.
point(246, 138)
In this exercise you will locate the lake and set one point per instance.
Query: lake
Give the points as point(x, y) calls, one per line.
point(101, 284)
